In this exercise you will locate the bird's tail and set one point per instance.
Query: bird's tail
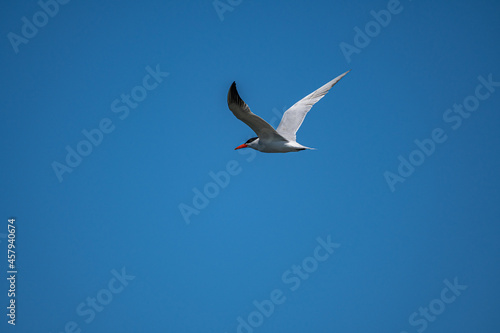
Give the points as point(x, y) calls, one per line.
point(309, 148)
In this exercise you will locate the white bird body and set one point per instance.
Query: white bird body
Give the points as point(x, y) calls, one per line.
point(275, 146)
point(283, 139)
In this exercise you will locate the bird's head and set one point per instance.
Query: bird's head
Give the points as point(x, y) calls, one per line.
point(252, 143)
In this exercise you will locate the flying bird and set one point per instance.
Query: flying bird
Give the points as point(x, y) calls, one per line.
point(283, 139)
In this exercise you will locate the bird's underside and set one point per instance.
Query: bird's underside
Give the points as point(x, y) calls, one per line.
point(281, 147)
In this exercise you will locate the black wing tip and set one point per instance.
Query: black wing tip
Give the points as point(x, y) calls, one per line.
point(233, 95)
point(233, 88)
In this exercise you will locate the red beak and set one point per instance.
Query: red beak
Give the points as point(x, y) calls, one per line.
point(241, 146)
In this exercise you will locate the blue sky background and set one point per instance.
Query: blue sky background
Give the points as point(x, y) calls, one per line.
point(119, 209)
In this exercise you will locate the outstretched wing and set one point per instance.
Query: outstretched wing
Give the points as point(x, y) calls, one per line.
point(241, 110)
point(294, 116)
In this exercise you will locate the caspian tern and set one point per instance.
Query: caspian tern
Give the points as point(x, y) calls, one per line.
point(282, 139)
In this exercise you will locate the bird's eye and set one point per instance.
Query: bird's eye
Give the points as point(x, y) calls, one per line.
point(251, 140)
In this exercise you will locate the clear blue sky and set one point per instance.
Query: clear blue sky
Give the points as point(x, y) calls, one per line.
point(337, 239)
